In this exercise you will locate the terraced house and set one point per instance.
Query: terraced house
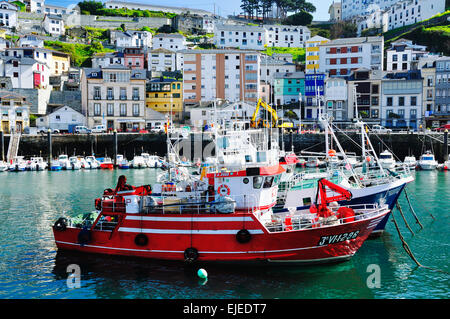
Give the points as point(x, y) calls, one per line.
point(165, 96)
point(114, 96)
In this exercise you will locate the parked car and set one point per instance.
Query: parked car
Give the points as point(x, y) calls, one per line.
point(99, 129)
point(380, 129)
point(443, 128)
point(44, 130)
point(81, 130)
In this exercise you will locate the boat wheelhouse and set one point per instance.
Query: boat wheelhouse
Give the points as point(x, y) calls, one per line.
point(427, 161)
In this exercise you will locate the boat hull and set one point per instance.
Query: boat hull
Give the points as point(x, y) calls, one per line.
point(107, 166)
point(214, 238)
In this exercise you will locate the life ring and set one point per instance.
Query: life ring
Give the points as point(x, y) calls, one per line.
point(141, 240)
point(331, 153)
point(243, 236)
point(60, 224)
point(190, 254)
point(223, 190)
point(84, 236)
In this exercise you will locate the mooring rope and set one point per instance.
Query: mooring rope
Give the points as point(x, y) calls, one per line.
point(408, 250)
point(425, 209)
point(403, 216)
point(412, 209)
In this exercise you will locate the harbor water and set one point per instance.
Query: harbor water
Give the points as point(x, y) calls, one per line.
point(32, 267)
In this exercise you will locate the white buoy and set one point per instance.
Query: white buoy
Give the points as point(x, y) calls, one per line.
point(202, 273)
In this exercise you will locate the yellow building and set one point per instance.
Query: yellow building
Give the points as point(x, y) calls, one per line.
point(165, 95)
point(312, 52)
point(3, 33)
point(61, 62)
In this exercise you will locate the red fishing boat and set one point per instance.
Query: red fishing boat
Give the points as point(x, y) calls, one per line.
point(214, 224)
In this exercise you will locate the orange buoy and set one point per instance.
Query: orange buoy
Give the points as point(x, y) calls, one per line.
point(332, 153)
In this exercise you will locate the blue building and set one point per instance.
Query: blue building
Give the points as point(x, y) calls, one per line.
point(314, 87)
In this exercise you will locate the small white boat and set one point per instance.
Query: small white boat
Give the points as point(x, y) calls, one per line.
point(387, 159)
point(18, 164)
point(64, 161)
point(3, 166)
point(410, 161)
point(427, 162)
point(74, 163)
point(93, 163)
point(37, 164)
point(138, 162)
point(152, 161)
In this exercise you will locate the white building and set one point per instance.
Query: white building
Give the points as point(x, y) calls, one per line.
point(30, 40)
point(54, 24)
point(286, 35)
point(160, 60)
point(61, 119)
point(336, 98)
point(35, 5)
point(398, 14)
point(143, 6)
point(403, 55)
point(235, 111)
point(340, 56)
point(169, 41)
point(231, 75)
point(353, 8)
point(25, 73)
point(131, 39)
point(8, 14)
point(54, 9)
point(240, 36)
point(335, 11)
point(270, 65)
point(107, 59)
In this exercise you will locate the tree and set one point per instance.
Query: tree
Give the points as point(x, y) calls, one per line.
point(90, 6)
point(300, 18)
point(291, 115)
point(343, 29)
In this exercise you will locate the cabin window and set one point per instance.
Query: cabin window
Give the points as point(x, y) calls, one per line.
point(268, 182)
point(306, 201)
point(257, 182)
point(248, 158)
point(245, 180)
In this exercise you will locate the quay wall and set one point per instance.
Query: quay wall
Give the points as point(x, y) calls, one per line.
point(200, 145)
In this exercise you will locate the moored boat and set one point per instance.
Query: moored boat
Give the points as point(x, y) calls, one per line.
point(427, 162)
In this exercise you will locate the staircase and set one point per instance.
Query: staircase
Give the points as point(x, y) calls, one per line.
point(13, 146)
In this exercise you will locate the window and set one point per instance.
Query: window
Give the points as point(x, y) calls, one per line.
point(413, 100)
point(389, 101)
point(123, 109)
point(401, 101)
point(268, 182)
point(96, 109)
point(110, 109)
point(109, 94)
point(257, 182)
point(135, 109)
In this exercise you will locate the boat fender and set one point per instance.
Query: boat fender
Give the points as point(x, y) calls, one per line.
point(141, 240)
point(84, 236)
point(190, 254)
point(61, 224)
point(243, 236)
point(108, 191)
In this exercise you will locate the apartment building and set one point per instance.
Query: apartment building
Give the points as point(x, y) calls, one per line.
point(442, 100)
point(336, 98)
point(312, 53)
point(169, 41)
point(401, 105)
point(160, 60)
point(114, 96)
point(341, 56)
point(14, 112)
point(131, 39)
point(427, 68)
point(134, 58)
point(314, 91)
point(8, 14)
point(366, 84)
point(288, 87)
point(53, 24)
point(165, 96)
point(286, 36)
point(353, 8)
point(243, 37)
point(24, 72)
point(220, 74)
point(270, 65)
point(403, 55)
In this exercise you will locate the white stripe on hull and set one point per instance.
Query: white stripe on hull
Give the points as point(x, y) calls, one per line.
point(188, 219)
point(187, 231)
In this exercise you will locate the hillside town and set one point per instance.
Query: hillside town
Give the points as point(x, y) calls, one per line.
point(128, 67)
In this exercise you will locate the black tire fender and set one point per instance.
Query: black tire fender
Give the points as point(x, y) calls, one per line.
point(190, 254)
point(61, 224)
point(243, 236)
point(141, 240)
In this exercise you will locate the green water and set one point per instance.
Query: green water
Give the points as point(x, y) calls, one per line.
point(31, 266)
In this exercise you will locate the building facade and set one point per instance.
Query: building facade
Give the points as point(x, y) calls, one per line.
point(131, 39)
point(54, 24)
point(165, 96)
point(401, 106)
point(314, 92)
point(289, 88)
point(169, 41)
point(14, 112)
point(232, 75)
point(160, 60)
point(442, 101)
point(341, 56)
point(8, 14)
point(114, 97)
point(286, 36)
point(312, 53)
point(336, 98)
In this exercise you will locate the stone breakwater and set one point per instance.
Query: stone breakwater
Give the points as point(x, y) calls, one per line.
point(200, 145)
